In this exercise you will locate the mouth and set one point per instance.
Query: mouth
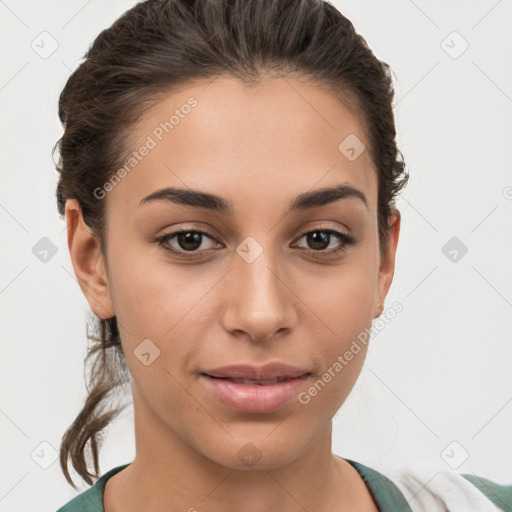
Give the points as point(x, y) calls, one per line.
point(251, 389)
point(253, 382)
point(265, 373)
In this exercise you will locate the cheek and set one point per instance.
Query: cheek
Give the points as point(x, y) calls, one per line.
point(343, 301)
point(150, 295)
point(154, 309)
point(345, 306)
point(165, 304)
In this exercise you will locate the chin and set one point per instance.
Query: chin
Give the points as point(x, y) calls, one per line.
point(258, 453)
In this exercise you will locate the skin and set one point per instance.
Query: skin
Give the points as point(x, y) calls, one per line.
point(258, 148)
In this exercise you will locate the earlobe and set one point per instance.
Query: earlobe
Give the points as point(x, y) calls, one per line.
point(387, 265)
point(88, 262)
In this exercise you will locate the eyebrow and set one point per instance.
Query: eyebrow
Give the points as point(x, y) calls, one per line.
point(310, 199)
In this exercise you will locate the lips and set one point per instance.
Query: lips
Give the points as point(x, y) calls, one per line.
point(254, 381)
point(266, 374)
point(255, 389)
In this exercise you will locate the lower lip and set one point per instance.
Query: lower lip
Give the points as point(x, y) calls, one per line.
point(254, 397)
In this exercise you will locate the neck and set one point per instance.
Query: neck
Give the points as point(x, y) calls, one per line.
point(169, 474)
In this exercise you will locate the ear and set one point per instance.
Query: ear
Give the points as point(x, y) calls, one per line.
point(88, 262)
point(387, 265)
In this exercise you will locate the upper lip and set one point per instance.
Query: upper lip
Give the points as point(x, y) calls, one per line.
point(268, 371)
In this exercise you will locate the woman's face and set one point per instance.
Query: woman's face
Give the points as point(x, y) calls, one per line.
point(256, 282)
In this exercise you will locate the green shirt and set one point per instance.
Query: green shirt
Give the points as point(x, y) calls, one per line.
point(385, 493)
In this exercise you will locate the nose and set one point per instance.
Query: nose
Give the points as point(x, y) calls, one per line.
point(259, 303)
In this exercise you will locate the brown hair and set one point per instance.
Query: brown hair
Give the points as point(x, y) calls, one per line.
point(159, 45)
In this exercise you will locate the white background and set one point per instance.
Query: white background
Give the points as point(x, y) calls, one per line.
point(439, 372)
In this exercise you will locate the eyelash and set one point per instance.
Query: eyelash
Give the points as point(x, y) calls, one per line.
point(345, 239)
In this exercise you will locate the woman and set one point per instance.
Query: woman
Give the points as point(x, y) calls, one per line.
point(228, 174)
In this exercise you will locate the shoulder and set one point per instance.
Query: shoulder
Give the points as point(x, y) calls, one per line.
point(88, 501)
point(91, 500)
point(499, 494)
point(385, 493)
point(429, 488)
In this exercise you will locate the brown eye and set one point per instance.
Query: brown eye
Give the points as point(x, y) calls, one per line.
point(187, 241)
point(318, 242)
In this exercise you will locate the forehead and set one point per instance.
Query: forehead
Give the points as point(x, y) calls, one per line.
point(271, 141)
